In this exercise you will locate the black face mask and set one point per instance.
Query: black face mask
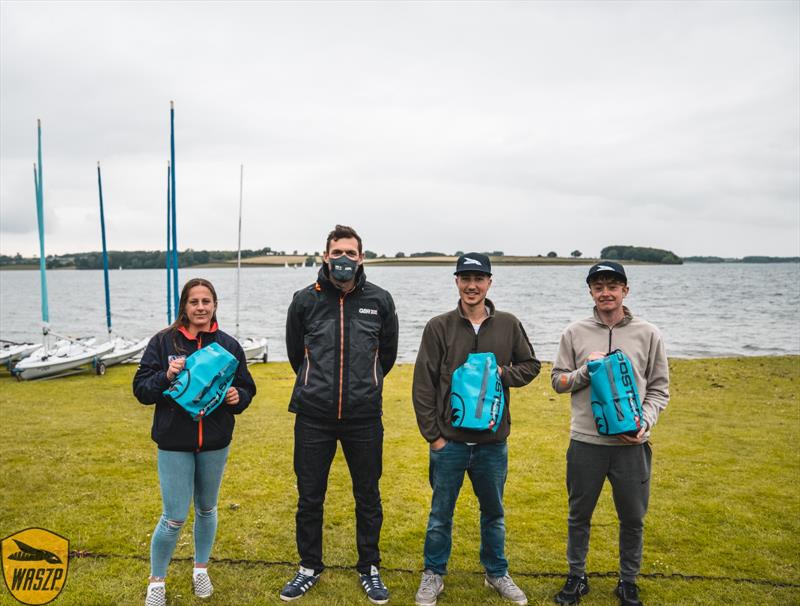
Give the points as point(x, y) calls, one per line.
point(343, 269)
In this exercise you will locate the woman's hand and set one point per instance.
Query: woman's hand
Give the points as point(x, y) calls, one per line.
point(232, 397)
point(175, 367)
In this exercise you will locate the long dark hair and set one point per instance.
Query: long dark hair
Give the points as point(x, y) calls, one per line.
point(182, 319)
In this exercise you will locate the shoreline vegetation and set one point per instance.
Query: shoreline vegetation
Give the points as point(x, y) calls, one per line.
point(266, 257)
point(723, 525)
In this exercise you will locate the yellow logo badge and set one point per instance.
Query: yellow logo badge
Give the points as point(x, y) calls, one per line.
point(35, 564)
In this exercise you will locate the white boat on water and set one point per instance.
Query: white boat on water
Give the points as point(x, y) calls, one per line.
point(57, 355)
point(254, 349)
point(11, 352)
point(124, 350)
point(63, 356)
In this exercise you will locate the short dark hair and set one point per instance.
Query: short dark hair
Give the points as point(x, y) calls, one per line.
point(342, 231)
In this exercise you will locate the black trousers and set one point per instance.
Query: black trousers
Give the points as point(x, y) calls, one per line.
point(314, 448)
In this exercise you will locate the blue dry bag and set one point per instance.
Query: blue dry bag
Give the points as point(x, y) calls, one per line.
point(476, 394)
point(615, 399)
point(202, 384)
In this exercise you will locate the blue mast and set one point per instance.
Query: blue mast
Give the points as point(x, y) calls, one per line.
point(40, 217)
point(174, 218)
point(169, 249)
point(105, 251)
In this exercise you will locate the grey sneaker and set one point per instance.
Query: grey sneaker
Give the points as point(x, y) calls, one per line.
point(507, 589)
point(156, 596)
point(430, 587)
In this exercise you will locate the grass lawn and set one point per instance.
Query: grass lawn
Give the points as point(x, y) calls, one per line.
point(725, 504)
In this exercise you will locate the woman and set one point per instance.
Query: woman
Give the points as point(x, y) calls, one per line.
point(191, 454)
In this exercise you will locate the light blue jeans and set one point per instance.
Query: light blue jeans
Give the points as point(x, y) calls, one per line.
point(186, 476)
point(487, 467)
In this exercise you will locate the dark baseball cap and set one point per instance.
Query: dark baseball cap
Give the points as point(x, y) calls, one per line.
point(607, 267)
point(475, 262)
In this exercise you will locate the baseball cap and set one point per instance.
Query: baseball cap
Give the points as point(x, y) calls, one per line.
point(473, 262)
point(607, 267)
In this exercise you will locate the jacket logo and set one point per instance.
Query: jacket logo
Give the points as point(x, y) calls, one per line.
point(470, 261)
point(35, 563)
point(371, 312)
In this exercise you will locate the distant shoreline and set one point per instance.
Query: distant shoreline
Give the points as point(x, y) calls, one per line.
point(438, 261)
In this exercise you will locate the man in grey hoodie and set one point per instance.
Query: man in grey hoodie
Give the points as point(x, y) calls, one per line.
point(591, 457)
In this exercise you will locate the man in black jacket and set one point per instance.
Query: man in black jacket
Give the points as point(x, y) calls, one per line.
point(341, 339)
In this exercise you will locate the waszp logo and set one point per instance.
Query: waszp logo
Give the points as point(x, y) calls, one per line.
point(35, 563)
point(365, 310)
point(470, 261)
point(604, 268)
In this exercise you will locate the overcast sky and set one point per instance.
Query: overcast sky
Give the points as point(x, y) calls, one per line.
point(522, 127)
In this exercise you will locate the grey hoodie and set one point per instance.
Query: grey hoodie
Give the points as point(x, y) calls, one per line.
point(639, 340)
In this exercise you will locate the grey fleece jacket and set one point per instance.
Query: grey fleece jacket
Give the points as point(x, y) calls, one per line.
point(639, 340)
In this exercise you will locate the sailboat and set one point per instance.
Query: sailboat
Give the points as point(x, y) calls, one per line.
point(254, 348)
point(123, 348)
point(57, 355)
point(11, 351)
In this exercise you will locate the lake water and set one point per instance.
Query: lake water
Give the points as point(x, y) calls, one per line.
point(702, 310)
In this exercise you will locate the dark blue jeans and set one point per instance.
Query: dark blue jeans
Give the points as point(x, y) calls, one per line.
point(487, 467)
point(314, 448)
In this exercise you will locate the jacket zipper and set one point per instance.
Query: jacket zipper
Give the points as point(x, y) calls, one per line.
point(375, 367)
point(200, 420)
point(610, 330)
point(308, 367)
point(341, 350)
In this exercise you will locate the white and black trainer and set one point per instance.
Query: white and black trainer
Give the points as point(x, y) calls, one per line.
point(303, 580)
point(377, 592)
point(156, 594)
point(202, 583)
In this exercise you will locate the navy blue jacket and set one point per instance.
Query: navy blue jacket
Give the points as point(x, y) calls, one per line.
point(173, 427)
point(341, 346)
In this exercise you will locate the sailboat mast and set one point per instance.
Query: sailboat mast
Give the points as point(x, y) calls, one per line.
point(105, 250)
point(239, 248)
point(169, 247)
point(40, 218)
point(174, 212)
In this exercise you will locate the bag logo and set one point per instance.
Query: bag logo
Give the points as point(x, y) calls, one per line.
point(35, 563)
point(365, 310)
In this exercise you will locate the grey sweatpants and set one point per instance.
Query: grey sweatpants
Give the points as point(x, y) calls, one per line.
point(628, 470)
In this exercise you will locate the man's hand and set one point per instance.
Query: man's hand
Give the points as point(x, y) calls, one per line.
point(232, 397)
point(637, 439)
point(438, 444)
point(595, 355)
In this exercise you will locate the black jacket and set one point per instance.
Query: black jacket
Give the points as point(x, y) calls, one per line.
point(341, 346)
point(173, 427)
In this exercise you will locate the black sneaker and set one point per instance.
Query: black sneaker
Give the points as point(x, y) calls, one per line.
point(628, 594)
point(574, 587)
point(377, 593)
point(303, 580)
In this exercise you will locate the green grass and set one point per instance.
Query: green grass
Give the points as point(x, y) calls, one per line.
point(77, 459)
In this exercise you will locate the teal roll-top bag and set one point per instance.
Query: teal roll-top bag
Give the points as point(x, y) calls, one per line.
point(205, 379)
point(476, 394)
point(616, 406)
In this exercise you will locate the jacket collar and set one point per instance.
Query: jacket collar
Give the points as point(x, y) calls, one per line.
point(487, 302)
point(191, 337)
point(627, 316)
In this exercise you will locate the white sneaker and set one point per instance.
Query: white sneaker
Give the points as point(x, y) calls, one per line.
point(430, 587)
point(507, 589)
point(202, 583)
point(156, 595)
